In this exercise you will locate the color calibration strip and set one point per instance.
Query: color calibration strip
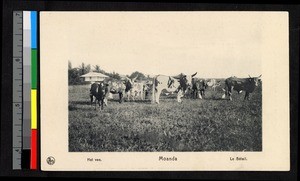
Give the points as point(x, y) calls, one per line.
point(30, 87)
point(24, 90)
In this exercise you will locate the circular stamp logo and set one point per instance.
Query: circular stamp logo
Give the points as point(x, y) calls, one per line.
point(50, 160)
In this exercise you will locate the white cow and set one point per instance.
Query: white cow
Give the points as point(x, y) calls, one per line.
point(213, 84)
point(178, 84)
point(137, 91)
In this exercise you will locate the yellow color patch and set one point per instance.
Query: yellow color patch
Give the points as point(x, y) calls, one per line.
point(33, 109)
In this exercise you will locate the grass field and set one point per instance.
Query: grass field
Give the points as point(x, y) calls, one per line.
point(211, 124)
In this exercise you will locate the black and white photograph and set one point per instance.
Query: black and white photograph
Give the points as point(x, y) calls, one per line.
point(165, 84)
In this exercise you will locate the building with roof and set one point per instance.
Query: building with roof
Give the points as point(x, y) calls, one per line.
point(93, 77)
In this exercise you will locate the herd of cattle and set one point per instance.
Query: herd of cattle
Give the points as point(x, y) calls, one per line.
point(181, 84)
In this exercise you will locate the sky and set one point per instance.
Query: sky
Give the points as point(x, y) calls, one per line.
point(213, 44)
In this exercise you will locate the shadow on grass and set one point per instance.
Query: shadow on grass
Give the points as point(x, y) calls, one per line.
point(72, 108)
point(218, 99)
point(138, 101)
point(80, 102)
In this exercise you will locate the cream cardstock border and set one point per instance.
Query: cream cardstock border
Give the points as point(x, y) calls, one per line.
point(275, 155)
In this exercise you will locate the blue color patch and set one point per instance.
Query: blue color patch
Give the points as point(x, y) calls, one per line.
point(33, 17)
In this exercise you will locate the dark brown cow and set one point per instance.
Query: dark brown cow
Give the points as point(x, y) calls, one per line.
point(240, 84)
point(99, 91)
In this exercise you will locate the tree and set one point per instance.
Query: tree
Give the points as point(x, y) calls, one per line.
point(139, 75)
point(69, 65)
point(84, 69)
point(88, 68)
point(74, 76)
point(97, 68)
point(115, 76)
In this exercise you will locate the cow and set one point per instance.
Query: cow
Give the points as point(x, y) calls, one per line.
point(129, 86)
point(198, 88)
point(99, 91)
point(213, 84)
point(138, 90)
point(120, 87)
point(148, 90)
point(240, 84)
point(179, 84)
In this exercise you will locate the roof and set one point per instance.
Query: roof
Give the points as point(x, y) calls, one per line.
point(94, 74)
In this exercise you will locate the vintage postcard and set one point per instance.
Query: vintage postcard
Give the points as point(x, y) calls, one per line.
point(164, 91)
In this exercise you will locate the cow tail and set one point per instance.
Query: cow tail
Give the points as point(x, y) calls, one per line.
point(153, 89)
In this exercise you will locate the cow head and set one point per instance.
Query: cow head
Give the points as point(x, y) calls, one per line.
point(204, 84)
point(185, 80)
point(170, 82)
point(254, 80)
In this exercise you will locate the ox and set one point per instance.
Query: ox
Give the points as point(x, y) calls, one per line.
point(99, 91)
point(179, 83)
point(213, 84)
point(240, 84)
point(120, 87)
point(138, 90)
point(198, 88)
point(148, 90)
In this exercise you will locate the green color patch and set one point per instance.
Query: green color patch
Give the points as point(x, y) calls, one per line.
point(33, 68)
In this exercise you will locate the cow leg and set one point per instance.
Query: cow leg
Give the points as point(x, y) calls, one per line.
point(96, 103)
point(199, 95)
point(157, 95)
point(99, 103)
point(142, 95)
point(128, 96)
point(105, 101)
point(120, 97)
point(230, 93)
point(230, 98)
point(179, 95)
point(102, 102)
point(247, 96)
point(194, 94)
point(91, 96)
point(133, 95)
point(225, 92)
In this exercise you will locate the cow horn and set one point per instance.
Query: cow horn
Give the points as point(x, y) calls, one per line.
point(134, 78)
point(249, 76)
point(259, 76)
point(194, 74)
point(176, 77)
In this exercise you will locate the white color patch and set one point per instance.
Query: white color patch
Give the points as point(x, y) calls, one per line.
point(26, 20)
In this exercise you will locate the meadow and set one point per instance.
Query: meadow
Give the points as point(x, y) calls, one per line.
point(210, 124)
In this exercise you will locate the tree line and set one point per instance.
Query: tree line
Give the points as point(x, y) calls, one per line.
point(74, 73)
